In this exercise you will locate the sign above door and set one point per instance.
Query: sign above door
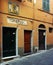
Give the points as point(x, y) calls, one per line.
point(16, 21)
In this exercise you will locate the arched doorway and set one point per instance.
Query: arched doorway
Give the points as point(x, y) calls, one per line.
point(42, 37)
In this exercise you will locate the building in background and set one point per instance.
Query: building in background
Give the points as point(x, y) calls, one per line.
point(25, 26)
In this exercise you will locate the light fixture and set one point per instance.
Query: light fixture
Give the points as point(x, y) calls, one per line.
point(34, 1)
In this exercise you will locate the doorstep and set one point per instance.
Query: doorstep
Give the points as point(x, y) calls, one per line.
point(25, 54)
point(5, 59)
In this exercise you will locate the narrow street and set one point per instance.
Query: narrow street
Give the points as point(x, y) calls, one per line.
point(26, 32)
point(42, 58)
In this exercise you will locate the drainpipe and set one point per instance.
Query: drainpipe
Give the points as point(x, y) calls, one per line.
point(34, 2)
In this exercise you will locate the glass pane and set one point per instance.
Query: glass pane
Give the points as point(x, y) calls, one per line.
point(47, 7)
point(44, 5)
point(47, 1)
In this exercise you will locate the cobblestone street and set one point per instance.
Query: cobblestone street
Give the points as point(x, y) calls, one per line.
point(42, 58)
point(26, 32)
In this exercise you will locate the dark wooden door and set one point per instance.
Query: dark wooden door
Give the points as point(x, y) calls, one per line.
point(27, 41)
point(9, 42)
point(41, 39)
point(0, 37)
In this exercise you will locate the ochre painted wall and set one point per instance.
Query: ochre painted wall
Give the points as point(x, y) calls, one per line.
point(28, 10)
point(39, 14)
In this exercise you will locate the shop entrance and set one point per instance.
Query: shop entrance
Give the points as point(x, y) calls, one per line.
point(27, 41)
point(9, 41)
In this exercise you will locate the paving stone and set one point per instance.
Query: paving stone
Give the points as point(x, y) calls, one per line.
point(45, 58)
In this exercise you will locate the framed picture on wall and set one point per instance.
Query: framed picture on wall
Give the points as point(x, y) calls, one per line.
point(13, 8)
point(10, 8)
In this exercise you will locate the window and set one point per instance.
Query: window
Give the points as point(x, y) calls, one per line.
point(50, 29)
point(13, 8)
point(46, 5)
point(41, 26)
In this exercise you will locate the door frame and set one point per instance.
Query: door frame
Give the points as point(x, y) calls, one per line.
point(45, 38)
point(16, 45)
point(31, 40)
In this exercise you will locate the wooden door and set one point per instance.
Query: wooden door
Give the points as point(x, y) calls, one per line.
point(41, 39)
point(27, 41)
point(0, 37)
point(9, 42)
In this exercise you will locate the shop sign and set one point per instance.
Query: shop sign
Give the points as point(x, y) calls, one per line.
point(23, 22)
point(16, 21)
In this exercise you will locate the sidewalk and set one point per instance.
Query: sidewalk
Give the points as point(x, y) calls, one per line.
point(42, 58)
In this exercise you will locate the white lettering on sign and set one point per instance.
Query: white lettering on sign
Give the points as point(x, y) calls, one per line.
point(16, 21)
point(23, 22)
point(12, 20)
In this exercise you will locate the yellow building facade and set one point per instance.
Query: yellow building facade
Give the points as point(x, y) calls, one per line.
point(24, 27)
